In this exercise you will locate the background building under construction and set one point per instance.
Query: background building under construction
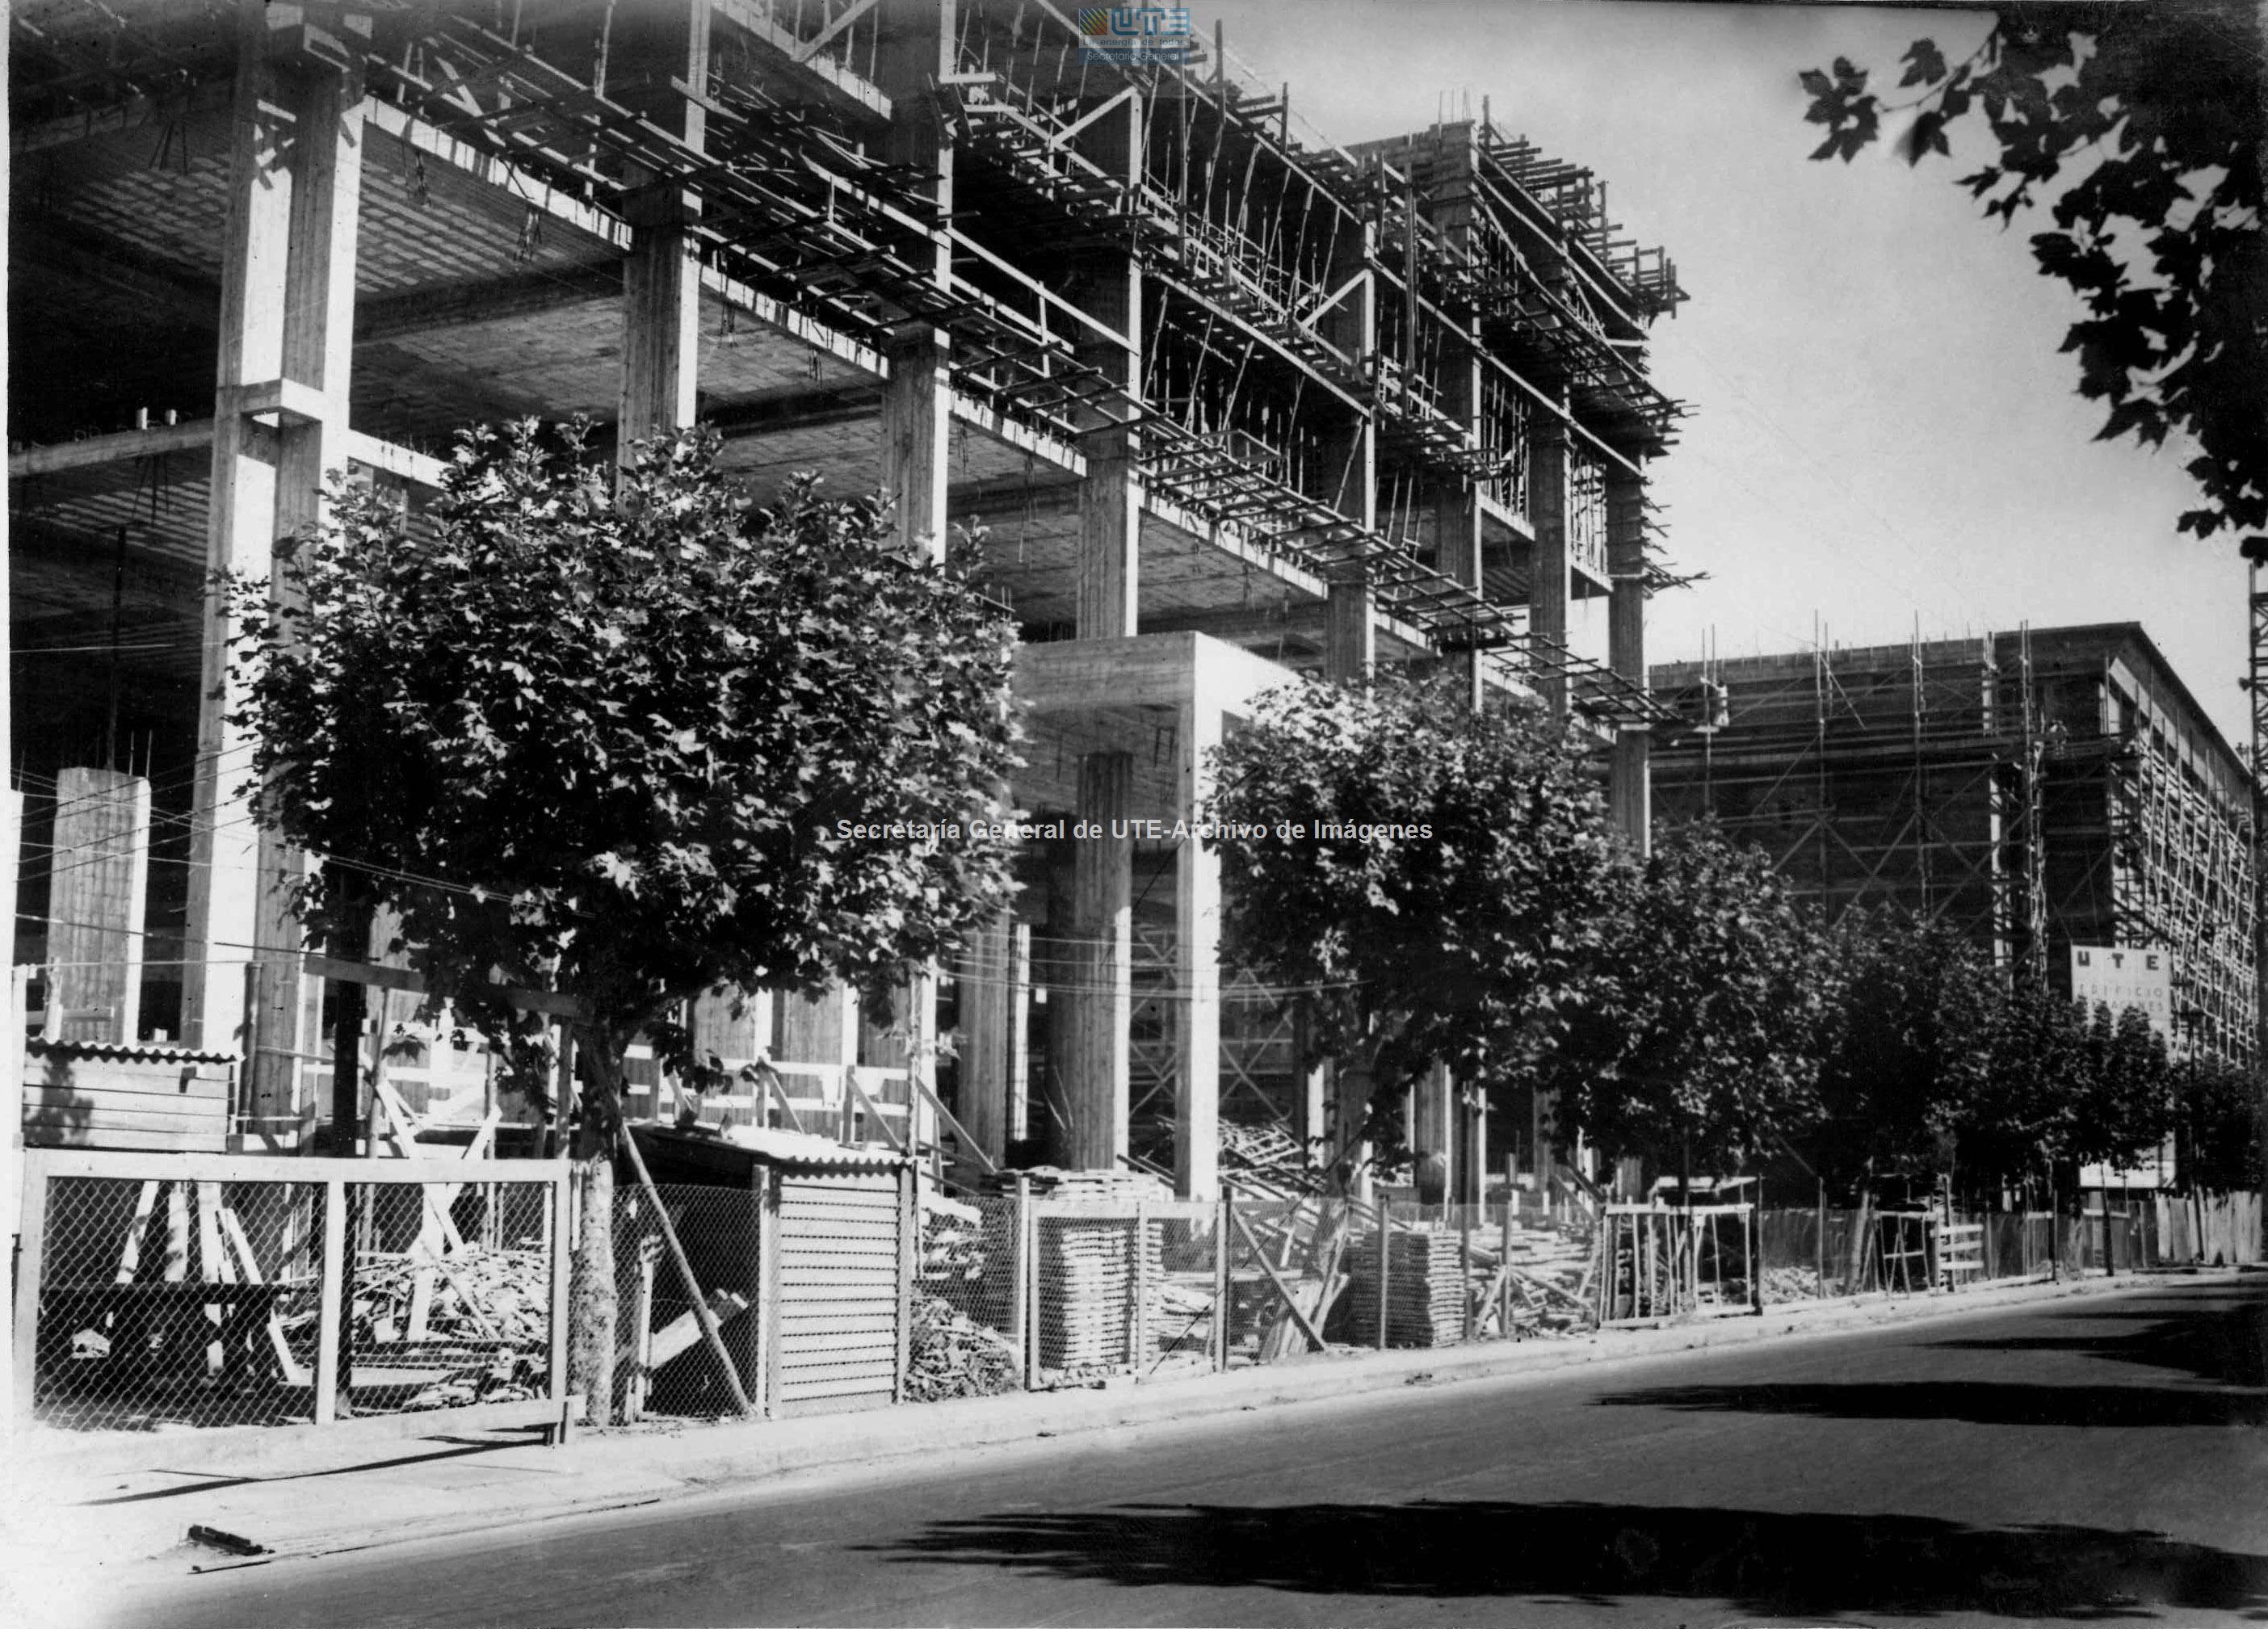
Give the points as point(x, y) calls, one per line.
point(2039, 789)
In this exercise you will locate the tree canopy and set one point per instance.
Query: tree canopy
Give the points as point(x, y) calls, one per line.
point(627, 741)
point(2138, 129)
point(1908, 1047)
point(1462, 928)
point(1703, 1051)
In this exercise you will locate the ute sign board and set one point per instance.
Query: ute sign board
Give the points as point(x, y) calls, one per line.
point(2120, 977)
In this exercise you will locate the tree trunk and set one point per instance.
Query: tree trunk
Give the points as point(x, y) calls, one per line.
point(591, 1309)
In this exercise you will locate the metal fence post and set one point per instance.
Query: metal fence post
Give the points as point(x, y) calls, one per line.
point(1029, 1217)
point(328, 1331)
point(1221, 1306)
point(1384, 1270)
point(1137, 1276)
point(560, 1210)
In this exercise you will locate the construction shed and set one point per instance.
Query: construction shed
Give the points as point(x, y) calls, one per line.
point(1232, 403)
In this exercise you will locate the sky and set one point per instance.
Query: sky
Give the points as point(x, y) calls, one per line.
point(1882, 427)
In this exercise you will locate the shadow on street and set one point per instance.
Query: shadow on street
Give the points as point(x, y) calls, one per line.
point(1761, 1561)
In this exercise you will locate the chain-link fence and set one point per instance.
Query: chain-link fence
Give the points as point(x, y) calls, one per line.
point(196, 1290)
point(968, 1335)
point(664, 1361)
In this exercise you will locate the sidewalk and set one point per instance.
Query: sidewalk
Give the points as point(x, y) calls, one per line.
point(74, 1533)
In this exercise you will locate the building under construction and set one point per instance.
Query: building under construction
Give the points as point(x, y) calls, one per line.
point(1231, 404)
point(2040, 789)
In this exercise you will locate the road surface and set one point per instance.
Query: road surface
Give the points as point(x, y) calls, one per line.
point(2079, 1459)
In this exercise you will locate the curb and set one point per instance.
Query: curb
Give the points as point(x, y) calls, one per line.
point(730, 1457)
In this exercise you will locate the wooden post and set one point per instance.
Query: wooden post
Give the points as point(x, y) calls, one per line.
point(1137, 1276)
point(641, 1337)
point(1465, 1267)
point(909, 1248)
point(1100, 1007)
point(332, 1331)
point(768, 1296)
point(31, 1250)
point(1019, 1264)
point(1504, 1279)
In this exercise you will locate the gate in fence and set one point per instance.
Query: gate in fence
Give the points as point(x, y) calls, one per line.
point(204, 1289)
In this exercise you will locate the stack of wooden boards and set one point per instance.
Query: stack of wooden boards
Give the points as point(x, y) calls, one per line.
point(1425, 1290)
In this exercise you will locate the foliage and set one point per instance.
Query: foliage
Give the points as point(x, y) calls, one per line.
point(2124, 1104)
point(2223, 1123)
point(1466, 942)
point(1704, 1050)
point(596, 738)
point(1908, 1048)
point(2139, 126)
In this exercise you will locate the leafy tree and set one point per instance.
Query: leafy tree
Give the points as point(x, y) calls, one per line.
point(597, 740)
point(2139, 128)
point(2126, 1109)
point(2223, 1123)
point(1466, 940)
point(1908, 1048)
point(2021, 1121)
point(1719, 992)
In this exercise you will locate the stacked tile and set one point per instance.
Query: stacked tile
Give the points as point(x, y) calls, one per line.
point(1425, 1289)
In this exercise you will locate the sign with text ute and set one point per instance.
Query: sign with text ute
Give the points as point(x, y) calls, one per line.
point(2120, 977)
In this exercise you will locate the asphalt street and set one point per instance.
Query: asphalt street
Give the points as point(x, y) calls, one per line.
point(2082, 1461)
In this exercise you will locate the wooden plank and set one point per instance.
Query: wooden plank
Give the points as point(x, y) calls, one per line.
point(248, 1167)
point(141, 1141)
point(194, 1089)
point(103, 1117)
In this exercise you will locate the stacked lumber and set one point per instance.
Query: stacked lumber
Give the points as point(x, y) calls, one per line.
point(1050, 1182)
point(1087, 1290)
point(1426, 1291)
point(951, 1356)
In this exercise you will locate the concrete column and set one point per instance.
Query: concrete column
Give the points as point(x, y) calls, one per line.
point(1350, 635)
point(279, 426)
point(652, 46)
point(1629, 782)
point(101, 864)
point(986, 1035)
point(1432, 1126)
point(1548, 589)
point(1109, 587)
point(913, 53)
point(1098, 1070)
point(1196, 940)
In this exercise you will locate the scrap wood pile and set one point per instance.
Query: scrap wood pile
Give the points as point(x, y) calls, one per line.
point(1542, 1281)
point(1267, 1160)
point(951, 1356)
point(1051, 1181)
point(1546, 1279)
point(478, 1320)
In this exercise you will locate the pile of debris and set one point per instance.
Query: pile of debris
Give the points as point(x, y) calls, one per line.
point(1267, 1160)
point(475, 1322)
point(951, 1356)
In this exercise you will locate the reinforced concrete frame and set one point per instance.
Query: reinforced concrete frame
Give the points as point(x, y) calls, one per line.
point(1225, 405)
